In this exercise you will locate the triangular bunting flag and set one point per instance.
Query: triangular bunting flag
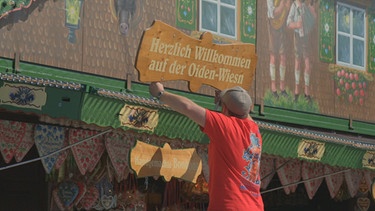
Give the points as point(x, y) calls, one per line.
point(118, 150)
point(267, 171)
point(49, 139)
point(369, 177)
point(334, 181)
point(353, 179)
point(64, 154)
point(310, 171)
point(26, 143)
point(11, 135)
point(289, 172)
point(88, 153)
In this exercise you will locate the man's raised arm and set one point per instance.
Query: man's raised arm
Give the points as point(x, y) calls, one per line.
point(179, 103)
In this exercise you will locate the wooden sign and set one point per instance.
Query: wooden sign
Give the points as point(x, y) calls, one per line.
point(149, 160)
point(166, 53)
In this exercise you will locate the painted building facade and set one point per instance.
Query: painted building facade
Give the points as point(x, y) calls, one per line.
point(68, 66)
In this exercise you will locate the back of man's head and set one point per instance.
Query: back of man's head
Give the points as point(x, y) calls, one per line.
point(237, 101)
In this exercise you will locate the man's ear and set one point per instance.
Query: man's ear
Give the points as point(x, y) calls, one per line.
point(217, 97)
point(217, 100)
point(224, 109)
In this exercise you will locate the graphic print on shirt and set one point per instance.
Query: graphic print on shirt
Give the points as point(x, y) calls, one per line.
point(252, 156)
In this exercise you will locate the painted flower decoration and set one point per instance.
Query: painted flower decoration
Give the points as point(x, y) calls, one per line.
point(326, 27)
point(22, 96)
point(249, 29)
point(138, 117)
point(311, 150)
point(249, 10)
point(351, 86)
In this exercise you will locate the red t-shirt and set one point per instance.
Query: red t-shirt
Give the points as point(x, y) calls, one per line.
point(234, 161)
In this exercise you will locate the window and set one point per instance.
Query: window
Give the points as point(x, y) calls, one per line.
point(218, 17)
point(350, 36)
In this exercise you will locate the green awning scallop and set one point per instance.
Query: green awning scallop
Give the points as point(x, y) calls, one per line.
point(104, 111)
point(284, 141)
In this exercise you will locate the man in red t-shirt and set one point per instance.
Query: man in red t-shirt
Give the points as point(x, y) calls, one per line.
point(235, 147)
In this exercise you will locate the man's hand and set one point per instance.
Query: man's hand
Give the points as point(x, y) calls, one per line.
point(179, 103)
point(156, 88)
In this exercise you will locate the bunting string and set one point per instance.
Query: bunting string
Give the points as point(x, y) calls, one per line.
point(302, 181)
point(55, 152)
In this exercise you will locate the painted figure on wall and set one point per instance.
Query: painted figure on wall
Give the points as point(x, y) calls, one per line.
point(301, 19)
point(125, 11)
point(277, 12)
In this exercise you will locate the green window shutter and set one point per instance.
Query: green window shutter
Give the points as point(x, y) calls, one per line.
point(327, 31)
point(371, 42)
point(248, 21)
point(186, 14)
